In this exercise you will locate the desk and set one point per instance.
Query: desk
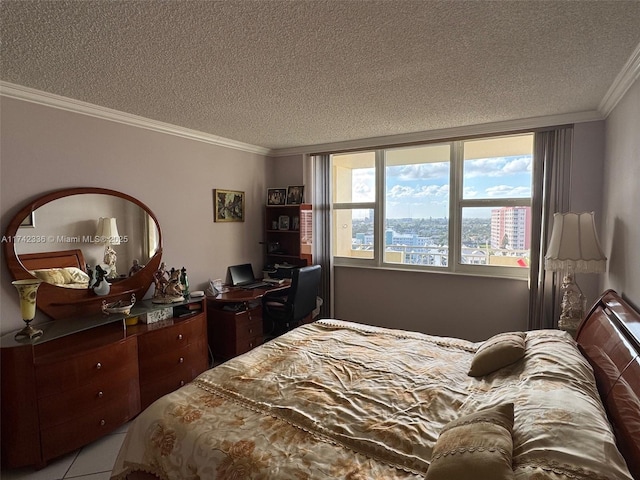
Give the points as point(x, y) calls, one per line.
point(234, 320)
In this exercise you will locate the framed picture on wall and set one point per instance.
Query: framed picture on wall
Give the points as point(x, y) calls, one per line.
point(276, 196)
point(228, 206)
point(295, 194)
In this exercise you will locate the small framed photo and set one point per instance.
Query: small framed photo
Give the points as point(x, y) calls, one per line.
point(295, 194)
point(283, 222)
point(296, 223)
point(228, 206)
point(276, 196)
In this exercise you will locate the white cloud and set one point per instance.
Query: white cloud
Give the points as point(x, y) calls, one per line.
point(497, 167)
point(505, 191)
point(419, 171)
point(419, 191)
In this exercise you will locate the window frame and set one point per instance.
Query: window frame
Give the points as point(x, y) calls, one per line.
point(456, 206)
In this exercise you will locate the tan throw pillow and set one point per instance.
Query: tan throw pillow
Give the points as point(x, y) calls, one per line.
point(74, 275)
point(497, 352)
point(50, 275)
point(478, 446)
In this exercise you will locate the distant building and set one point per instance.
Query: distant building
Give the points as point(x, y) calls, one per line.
point(511, 228)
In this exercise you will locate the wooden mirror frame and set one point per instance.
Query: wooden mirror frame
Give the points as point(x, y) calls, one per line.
point(60, 303)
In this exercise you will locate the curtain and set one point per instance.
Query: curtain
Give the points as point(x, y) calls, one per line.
point(321, 173)
point(551, 193)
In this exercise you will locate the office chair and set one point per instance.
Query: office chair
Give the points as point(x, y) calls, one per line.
point(283, 313)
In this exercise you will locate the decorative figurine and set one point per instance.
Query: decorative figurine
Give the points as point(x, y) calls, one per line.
point(167, 286)
point(136, 267)
point(101, 286)
point(110, 261)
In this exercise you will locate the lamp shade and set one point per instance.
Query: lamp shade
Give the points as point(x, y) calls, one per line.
point(107, 231)
point(574, 244)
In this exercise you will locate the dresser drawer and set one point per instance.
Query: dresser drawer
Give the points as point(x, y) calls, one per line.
point(121, 387)
point(166, 360)
point(97, 364)
point(167, 383)
point(69, 436)
point(179, 335)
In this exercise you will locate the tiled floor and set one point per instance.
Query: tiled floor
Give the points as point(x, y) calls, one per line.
point(92, 462)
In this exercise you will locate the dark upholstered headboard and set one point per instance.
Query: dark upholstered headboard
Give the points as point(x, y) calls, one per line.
point(609, 337)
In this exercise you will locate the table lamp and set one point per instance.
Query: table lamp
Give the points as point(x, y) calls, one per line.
point(574, 248)
point(107, 233)
point(28, 291)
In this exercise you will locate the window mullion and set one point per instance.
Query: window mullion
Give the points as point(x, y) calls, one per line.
point(455, 210)
point(379, 212)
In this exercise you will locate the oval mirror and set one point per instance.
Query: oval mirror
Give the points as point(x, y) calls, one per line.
point(80, 227)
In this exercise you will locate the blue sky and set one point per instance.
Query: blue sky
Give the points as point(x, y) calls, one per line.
point(422, 190)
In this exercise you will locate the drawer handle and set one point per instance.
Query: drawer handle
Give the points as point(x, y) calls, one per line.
point(181, 360)
point(251, 330)
point(181, 383)
point(98, 366)
point(103, 422)
point(179, 336)
point(100, 394)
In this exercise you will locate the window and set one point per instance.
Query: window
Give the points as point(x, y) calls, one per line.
point(462, 206)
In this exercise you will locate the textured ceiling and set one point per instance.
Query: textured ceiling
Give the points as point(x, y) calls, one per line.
point(282, 74)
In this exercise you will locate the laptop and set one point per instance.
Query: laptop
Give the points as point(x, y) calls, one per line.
point(242, 276)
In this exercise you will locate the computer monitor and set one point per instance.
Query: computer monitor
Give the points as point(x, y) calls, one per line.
point(241, 274)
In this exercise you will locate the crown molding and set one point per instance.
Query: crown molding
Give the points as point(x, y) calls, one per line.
point(454, 132)
point(20, 92)
point(627, 76)
point(27, 94)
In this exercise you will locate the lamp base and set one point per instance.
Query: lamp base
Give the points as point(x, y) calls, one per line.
point(573, 305)
point(28, 333)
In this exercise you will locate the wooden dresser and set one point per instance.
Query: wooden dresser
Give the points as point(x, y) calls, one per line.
point(84, 377)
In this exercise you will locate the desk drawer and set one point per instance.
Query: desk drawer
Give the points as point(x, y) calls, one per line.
point(243, 345)
point(179, 335)
point(250, 328)
point(98, 364)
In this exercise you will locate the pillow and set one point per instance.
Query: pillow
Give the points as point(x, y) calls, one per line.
point(497, 352)
point(74, 275)
point(478, 446)
point(50, 275)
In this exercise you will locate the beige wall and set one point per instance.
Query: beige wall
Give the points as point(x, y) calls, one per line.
point(44, 149)
point(461, 306)
point(621, 206)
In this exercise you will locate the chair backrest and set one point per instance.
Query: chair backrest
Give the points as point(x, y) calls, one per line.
point(304, 290)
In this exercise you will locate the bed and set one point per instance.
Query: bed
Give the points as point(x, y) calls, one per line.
point(336, 399)
point(64, 268)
